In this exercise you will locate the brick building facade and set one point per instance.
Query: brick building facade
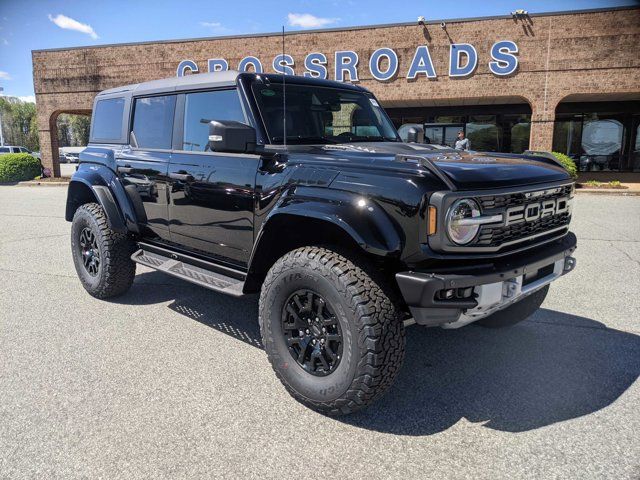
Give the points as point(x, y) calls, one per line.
point(571, 68)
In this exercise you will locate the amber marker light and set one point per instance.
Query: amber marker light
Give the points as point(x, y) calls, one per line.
point(432, 220)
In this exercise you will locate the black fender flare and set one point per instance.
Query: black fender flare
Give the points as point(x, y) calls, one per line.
point(109, 193)
point(366, 222)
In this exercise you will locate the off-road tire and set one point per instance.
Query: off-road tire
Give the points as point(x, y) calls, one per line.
point(116, 270)
point(370, 319)
point(517, 312)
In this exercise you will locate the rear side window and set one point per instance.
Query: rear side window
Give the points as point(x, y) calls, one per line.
point(201, 108)
point(4, 150)
point(107, 119)
point(153, 121)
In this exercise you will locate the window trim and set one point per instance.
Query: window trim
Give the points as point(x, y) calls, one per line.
point(131, 118)
point(179, 128)
point(123, 125)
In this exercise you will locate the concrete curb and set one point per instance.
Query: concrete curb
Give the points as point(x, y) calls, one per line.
point(36, 183)
point(621, 192)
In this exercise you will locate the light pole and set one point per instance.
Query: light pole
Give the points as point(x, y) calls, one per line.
point(1, 136)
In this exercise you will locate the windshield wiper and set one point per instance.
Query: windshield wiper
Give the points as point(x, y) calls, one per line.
point(371, 138)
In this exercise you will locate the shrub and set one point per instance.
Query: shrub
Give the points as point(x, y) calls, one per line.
point(592, 183)
point(567, 163)
point(16, 167)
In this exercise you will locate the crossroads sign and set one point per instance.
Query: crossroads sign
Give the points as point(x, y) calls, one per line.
point(383, 63)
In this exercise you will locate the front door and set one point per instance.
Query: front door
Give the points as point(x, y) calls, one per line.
point(144, 163)
point(211, 194)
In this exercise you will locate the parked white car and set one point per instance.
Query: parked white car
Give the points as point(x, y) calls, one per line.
point(17, 149)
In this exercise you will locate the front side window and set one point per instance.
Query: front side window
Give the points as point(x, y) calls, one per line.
point(107, 119)
point(153, 121)
point(202, 107)
point(321, 115)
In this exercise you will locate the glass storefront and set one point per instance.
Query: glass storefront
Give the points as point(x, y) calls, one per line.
point(600, 136)
point(490, 128)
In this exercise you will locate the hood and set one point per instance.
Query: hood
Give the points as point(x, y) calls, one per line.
point(466, 170)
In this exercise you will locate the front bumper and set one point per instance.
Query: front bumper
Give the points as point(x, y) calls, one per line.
point(473, 297)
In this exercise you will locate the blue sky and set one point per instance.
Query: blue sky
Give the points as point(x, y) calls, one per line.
point(27, 25)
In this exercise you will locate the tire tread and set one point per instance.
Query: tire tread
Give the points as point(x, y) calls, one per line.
point(381, 330)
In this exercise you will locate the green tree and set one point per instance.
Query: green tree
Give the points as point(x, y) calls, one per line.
point(80, 125)
point(73, 130)
point(19, 125)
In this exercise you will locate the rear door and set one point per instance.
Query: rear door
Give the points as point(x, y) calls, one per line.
point(212, 194)
point(144, 162)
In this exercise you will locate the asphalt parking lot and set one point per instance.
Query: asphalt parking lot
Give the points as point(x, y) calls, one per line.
point(169, 381)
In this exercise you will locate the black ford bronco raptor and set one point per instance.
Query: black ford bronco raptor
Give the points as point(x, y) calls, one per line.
point(301, 190)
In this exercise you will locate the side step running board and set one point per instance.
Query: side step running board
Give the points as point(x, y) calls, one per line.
point(161, 260)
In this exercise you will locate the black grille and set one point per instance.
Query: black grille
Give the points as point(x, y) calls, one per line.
point(492, 202)
point(496, 236)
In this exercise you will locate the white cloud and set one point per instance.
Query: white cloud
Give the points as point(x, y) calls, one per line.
point(70, 24)
point(217, 28)
point(306, 20)
point(4, 75)
point(28, 98)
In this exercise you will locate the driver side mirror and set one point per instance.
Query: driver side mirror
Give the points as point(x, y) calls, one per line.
point(415, 135)
point(231, 136)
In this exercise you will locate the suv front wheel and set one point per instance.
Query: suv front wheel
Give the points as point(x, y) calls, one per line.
point(333, 335)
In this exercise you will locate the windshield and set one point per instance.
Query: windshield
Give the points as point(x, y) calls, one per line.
point(322, 115)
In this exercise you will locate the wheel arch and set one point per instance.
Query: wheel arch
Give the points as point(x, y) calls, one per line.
point(101, 185)
point(346, 225)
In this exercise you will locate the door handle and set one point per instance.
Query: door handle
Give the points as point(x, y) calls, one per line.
point(185, 177)
point(125, 169)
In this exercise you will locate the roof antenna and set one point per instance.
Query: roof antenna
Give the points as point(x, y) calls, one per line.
point(284, 95)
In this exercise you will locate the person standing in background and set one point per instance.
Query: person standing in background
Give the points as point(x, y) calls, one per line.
point(462, 143)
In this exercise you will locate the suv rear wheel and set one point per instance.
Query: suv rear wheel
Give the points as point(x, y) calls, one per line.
point(101, 256)
point(333, 335)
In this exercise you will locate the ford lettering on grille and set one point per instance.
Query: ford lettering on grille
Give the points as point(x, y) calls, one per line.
point(534, 211)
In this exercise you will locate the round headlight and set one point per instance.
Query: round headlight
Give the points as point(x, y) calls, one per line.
point(459, 229)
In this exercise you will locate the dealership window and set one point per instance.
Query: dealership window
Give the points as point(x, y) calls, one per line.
point(483, 133)
point(107, 119)
point(495, 128)
point(635, 160)
point(200, 108)
point(599, 136)
point(153, 121)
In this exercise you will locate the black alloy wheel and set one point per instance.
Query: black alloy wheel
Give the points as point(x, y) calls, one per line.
point(312, 332)
point(90, 252)
point(102, 257)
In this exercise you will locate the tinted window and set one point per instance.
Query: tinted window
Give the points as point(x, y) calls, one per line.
point(200, 108)
point(107, 119)
point(321, 115)
point(153, 121)
point(4, 150)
